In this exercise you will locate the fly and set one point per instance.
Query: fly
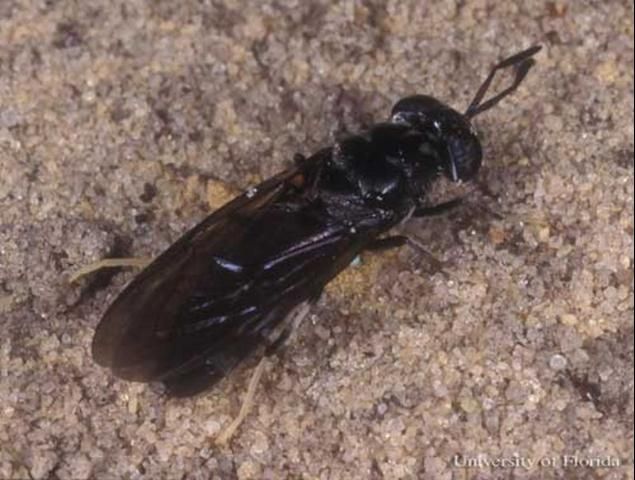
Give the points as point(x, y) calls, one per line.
point(240, 281)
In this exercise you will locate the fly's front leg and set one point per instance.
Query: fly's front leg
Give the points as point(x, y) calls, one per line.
point(438, 209)
point(452, 204)
point(387, 243)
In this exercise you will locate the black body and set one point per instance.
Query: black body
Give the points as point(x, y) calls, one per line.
point(230, 285)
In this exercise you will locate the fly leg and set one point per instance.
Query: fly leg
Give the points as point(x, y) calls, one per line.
point(275, 346)
point(279, 338)
point(451, 204)
point(387, 243)
point(437, 265)
point(400, 240)
point(275, 341)
point(139, 262)
point(455, 202)
point(394, 241)
point(438, 209)
point(228, 433)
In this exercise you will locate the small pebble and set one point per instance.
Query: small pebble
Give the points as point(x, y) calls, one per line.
point(558, 362)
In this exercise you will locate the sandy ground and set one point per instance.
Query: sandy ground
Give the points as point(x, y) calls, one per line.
point(122, 123)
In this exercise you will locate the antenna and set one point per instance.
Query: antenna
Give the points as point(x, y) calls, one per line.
point(522, 62)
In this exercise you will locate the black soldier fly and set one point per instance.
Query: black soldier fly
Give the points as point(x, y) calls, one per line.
point(238, 282)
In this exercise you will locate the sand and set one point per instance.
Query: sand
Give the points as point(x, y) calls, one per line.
point(123, 123)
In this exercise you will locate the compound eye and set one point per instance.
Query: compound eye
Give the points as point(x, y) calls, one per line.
point(415, 108)
point(465, 157)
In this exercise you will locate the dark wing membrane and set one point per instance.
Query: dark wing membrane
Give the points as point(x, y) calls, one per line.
point(222, 290)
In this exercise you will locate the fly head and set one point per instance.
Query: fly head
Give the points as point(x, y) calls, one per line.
point(450, 135)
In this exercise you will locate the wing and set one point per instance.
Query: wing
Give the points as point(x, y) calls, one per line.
point(225, 288)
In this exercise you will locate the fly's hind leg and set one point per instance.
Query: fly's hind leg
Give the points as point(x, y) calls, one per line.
point(228, 433)
point(277, 339)
point(274, 341)
point(139, 262)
